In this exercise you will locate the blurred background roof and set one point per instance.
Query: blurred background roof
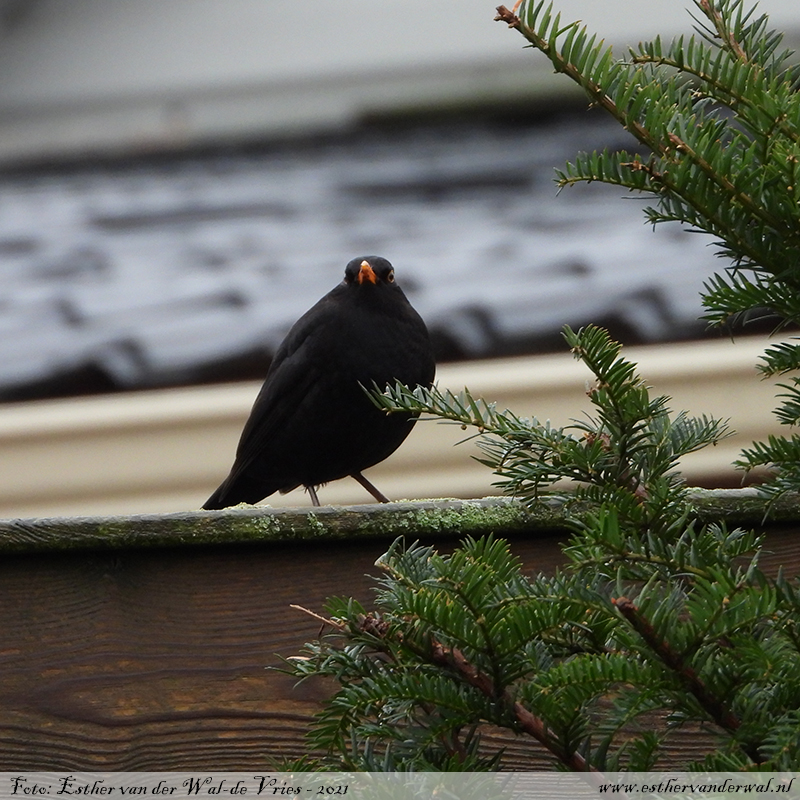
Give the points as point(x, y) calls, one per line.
point(180, 181)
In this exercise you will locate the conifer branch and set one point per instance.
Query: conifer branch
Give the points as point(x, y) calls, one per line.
point(722, 180)
point(677, 665)
point(733, 176)
point(712, 86)
point(594, 90)
point(453, 658)
point(723, 31)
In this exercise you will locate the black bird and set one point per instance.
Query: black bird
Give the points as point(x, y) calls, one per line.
point(312, 421)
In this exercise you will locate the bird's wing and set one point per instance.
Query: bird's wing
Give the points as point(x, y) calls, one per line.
point(296, 369)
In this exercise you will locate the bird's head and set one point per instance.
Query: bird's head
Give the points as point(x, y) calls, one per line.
point(369, 270)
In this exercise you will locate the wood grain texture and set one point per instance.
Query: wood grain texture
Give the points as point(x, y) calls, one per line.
point(157, 657)
point(158, 660)
point(145, 661)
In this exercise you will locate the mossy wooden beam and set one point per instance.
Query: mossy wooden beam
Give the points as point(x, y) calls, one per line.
point(248, 524)
point(251, 524)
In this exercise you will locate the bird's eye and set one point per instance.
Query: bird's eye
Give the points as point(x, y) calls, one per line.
point(390, 277)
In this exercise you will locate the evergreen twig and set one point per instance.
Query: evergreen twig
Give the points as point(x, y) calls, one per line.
point(719, 112)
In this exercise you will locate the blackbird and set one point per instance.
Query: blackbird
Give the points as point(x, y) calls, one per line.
point(312, 421)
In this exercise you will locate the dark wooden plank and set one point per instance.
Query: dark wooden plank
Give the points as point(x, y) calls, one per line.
point(148, 660)
point(139, 660)
point(155, 658)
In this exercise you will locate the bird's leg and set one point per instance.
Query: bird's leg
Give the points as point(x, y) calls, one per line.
point(376, 493)
point(312, 492)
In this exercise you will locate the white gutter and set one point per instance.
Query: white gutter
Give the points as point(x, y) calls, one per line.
point(167, 450)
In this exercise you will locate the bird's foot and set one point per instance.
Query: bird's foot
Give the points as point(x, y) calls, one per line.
point(312, 493)
point(374, 491)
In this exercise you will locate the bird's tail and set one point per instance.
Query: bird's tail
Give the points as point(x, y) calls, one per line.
point(218, 499)
point(239, 488)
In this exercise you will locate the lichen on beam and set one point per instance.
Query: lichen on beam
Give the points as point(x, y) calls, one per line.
point(417, 519)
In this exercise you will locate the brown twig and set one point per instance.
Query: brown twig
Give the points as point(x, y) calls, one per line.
point(715, 708)
point(722, 32)
point(324, 620)
point(509, 17)
point(534, 726)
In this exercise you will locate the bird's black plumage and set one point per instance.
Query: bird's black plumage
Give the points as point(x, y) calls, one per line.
point(312, 421)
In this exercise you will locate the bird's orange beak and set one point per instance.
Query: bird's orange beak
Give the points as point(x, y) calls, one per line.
point(366, 273)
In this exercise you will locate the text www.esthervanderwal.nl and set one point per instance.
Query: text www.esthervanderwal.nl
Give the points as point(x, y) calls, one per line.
point(675, 786)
